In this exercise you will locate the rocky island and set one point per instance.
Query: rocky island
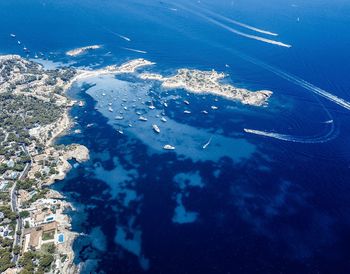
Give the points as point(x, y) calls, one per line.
point(79, 51)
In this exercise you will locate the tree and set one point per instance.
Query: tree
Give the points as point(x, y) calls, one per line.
point(24, 214)
point(46, 260)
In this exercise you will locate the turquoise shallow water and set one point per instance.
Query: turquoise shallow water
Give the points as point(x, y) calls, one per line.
point(247, 203)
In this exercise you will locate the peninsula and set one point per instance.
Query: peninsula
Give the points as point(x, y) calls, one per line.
point(198, 81)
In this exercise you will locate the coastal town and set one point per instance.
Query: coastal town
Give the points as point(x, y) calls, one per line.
point(35, 231)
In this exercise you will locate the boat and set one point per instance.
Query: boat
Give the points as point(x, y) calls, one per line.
point(165, 104)
point(204, 111)
point(152, 107)
point(186, 102)
point(141, 118)
point(110, 104)
point(156, 128)
point(163, 119)
point(187, 112)
point(214, 107)
point(36, 56)
point(120, 131)
point(13, 35)
point(103, 94)
point(119, 117)
point(168, 147)
point(125, 108)
point(18, 42)
point(110, 109)
point(207, 143)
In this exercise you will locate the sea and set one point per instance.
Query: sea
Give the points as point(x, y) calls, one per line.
point(247, 189)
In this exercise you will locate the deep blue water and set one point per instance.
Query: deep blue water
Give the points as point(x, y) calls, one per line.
point(246, 204)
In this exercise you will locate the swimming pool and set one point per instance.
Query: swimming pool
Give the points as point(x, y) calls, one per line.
point(61, 238)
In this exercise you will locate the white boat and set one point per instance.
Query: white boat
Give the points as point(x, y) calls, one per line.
point(168, 147)
point(165, 104)
point(204, 111)
point(186, 102)
point(163, 119)
point(207, 144)
point(103, 94)
point(120, 131)
point(110, 109)
point(141, 118)
point(13, 35)
point(125, 108)
point(119, 117)
point(214, 107)
point(187, 112)
point(110, 104)
point(151, 107)
point(36, 56)
point(18, 42)
point(156, 128)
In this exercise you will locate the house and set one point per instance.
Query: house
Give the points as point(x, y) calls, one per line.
point(33, 237)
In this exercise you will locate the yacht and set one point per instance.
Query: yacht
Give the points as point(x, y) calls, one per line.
point(186, 102)
point(141, 118)
point(119, 117)
point(110, 109)
point(163, 119)
point(187, 112)
point(214, 107)
point(13, 35)
point(156, 128)
point(168, 147)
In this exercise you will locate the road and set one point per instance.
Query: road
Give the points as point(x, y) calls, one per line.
point(14, 206)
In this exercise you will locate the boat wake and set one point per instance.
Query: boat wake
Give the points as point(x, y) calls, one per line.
point(124, 37)
point(298, 81)
point(237, 23)
point(135, 50)
point(295, 139)
point(235, 31)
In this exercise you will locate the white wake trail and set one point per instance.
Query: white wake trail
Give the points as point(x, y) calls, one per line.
point(298, 81)
point(291, 138)
point(135, 50)
point(239, 23)
point(124, 37)
point(232, 30)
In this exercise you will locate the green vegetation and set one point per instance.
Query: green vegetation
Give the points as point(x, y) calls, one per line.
point(49, 235)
